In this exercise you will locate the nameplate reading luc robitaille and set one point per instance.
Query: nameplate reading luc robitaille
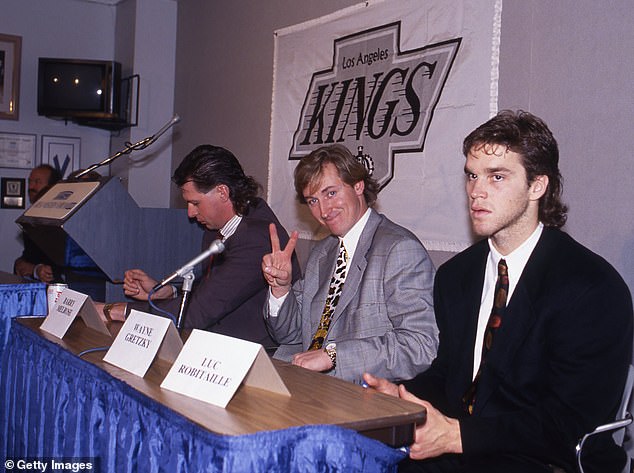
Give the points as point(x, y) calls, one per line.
point(211, 367)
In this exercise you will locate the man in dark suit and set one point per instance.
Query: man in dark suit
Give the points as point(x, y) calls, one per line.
point(519, 380)
point(382, 320)
point(34, 263)
point(228, 298)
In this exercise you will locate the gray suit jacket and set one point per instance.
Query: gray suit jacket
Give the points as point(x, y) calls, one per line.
point(384, 322)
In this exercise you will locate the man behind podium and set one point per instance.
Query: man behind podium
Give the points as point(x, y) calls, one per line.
point(535, 329)
point(365, 302)
point(34, 263)
point(228, 298)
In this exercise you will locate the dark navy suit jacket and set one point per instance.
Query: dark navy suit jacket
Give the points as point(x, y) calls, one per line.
point(558, 363)
point(228, 298)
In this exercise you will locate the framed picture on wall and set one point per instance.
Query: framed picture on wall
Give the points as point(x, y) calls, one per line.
point(61, 153)
point(17, 150)
point(10, 52)
point(13, 193)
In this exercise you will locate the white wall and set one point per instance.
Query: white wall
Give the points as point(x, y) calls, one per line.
point(571, 63)
point(568, 61)
point(146, 42)
point(141, 35)
point(51, 28)
point(224, 74)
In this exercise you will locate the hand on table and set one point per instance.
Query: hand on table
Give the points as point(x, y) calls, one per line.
point(382, 385)
point(315, 360)
point(137, 285)
point(44, 272)
point(116, 311)
point(438, 435)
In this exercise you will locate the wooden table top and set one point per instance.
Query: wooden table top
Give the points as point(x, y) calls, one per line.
point(8, 278)
point(316, 398)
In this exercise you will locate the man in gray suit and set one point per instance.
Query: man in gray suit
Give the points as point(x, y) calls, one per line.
point(365, 301)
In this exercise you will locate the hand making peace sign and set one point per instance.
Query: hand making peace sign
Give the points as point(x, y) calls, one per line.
point(277, 266)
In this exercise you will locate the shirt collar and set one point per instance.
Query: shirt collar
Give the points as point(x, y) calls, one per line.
point(517, 259)
point(351, 239)
point(230, 227)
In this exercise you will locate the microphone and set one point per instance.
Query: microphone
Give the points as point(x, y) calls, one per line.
point(216, 247)
point(175, 119)
point(129, 147)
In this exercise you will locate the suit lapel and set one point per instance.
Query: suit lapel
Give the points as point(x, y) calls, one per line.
point(519, 317)
point(318, 290)
point(468, 308)
point(356, 267)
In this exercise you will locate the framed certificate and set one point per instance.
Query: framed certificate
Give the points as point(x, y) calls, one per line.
point(17, 151)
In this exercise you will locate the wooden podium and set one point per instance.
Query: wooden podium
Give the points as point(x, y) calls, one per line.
point(97, 225)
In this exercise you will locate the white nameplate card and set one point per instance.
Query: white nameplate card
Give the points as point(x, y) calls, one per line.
point(211, 367)
point(69, 305)
point(142, 338)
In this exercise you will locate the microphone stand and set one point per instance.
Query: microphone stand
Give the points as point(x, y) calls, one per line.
point(187, 273)
point(188, 281)
point(139, 145)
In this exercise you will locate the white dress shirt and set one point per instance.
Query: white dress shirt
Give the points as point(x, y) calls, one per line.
point(230, 227)
point(515, 261)
point(350, 242)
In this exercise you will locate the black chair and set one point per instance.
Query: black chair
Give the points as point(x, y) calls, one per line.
point(624, 419)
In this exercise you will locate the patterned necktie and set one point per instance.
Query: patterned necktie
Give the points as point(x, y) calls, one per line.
point(495, 321)
point(334, 291)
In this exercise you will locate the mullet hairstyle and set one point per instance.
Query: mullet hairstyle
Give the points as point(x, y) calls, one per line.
point(528, 136)
point(208, 166)
point(310, 169)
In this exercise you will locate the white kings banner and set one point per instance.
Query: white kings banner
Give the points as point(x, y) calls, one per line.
point(400, 83)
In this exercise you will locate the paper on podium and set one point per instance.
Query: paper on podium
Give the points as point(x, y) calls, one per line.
point(61, 199)
point(211, 367)
point(69, 305)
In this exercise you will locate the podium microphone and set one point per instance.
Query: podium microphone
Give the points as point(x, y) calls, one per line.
point(175, 119)
point(216, 247)
point(129, 147)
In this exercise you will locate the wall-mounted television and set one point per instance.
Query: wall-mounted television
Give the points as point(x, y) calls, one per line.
point(84, 91)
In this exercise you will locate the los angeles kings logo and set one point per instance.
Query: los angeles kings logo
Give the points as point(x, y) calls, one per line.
point(375, 99)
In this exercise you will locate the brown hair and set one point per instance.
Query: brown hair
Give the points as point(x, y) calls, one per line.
point(527, 135)
point(208, 166)
point(351, 171)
